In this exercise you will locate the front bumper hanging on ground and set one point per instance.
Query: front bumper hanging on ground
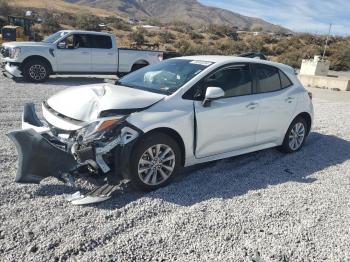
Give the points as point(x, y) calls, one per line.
point(42, 154)
point(38, 158)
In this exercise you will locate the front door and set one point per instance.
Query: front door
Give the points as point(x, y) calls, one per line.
point(73, 54)
point(229, 123)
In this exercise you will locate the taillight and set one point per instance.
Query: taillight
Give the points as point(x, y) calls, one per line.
point(160, 57)
point(310, 95)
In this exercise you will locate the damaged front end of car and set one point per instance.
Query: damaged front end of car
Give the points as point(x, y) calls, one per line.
point(47, 151)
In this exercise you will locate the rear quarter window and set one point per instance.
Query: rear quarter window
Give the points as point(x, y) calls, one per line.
point(285, 81)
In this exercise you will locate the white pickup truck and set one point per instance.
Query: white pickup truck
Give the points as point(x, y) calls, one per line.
point(74, 52)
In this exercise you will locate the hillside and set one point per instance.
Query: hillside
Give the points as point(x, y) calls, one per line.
point(190, 11)
point(178, 36)
point(59, 5)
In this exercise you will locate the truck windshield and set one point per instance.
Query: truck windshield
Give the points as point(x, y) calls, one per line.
point(54, 37)
point(165, 77)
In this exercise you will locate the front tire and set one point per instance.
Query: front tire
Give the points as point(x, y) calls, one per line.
point(295, 136)
point(154, 162)
point(36, 71)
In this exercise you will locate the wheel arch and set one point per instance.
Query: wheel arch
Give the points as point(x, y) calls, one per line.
point(140, 62)
point(32, 57)
point(307, 117)
point(174, 135)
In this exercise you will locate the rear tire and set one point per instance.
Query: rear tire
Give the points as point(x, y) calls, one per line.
point(154, 162)
point(295, 136)
point(36, 71)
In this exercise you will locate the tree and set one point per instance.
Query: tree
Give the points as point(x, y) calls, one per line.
point(87, 21)
point(340, 55)
point(219, 30)
point(5, 8)
point(138, 37)
point(50, 24)
point(122, 25)
point(257, 29)
point(167, 37)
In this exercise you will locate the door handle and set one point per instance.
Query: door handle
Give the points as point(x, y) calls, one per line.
point(85, 53)
point(252, 105)
point(289, 99)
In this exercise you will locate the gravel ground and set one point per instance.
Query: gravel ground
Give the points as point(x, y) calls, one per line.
point(264, 206)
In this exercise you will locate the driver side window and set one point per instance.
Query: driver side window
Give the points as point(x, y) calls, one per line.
point(234, 80)
point(75, 41)
point(69, 41)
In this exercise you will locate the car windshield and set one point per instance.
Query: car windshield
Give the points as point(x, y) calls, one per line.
point(54, 37)
point(165, 77)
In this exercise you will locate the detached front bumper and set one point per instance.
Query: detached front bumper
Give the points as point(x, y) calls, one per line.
point(38, 158)
point(42, 154)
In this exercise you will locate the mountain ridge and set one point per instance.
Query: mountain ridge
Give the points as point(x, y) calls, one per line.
point(190, 11)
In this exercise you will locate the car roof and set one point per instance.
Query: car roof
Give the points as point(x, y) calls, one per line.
point(86, 32)
point(220, 59)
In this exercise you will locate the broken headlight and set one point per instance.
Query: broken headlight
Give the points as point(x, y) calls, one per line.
point(99, 130)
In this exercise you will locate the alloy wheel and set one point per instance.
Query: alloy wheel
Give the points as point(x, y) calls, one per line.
point(156, 164)
point(296, 136)
point(37, 72)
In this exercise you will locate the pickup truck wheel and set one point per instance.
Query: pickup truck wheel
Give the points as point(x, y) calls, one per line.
point(154, 162)
point(36, 71)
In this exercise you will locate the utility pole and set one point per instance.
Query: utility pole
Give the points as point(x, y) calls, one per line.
point(326, 45)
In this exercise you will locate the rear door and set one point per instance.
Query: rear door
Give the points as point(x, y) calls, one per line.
point(75, 55)
point(104, 54)
point(229, 123)
point(277, 99)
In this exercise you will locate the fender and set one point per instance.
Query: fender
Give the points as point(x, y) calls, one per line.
point(39, 57)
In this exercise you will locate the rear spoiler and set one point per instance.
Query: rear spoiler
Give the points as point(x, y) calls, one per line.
point(258, 55)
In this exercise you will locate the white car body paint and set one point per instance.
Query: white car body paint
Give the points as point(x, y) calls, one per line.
point(86, 102)
point(228, 127)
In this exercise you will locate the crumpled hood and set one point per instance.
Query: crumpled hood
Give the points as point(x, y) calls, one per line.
point(84, 103)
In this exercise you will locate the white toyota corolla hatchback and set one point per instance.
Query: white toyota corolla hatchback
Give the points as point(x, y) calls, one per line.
point(152, 122)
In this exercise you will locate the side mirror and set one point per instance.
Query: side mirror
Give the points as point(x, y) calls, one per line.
point(211, 94)
point(61, 45)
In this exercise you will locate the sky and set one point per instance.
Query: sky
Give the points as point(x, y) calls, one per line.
point(312, 16)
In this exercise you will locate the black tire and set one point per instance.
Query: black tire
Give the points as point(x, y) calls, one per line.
point(36, 71)
point(139, 152)
point(137, 67)
point(286, 147)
